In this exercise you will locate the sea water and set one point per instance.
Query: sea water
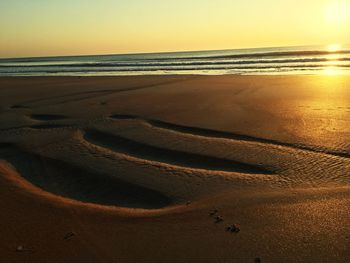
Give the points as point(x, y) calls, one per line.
point(257, 61)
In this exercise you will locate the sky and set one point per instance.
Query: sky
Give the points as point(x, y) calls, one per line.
point(77, 27)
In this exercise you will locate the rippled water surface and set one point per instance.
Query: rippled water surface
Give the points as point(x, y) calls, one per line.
point(328, 60)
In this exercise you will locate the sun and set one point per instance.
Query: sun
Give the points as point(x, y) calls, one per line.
point(337, 12)
point(333, 48)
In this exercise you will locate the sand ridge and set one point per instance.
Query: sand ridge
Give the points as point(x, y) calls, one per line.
point(115, 143)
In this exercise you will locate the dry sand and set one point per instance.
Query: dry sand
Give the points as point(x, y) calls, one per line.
point(129, 169)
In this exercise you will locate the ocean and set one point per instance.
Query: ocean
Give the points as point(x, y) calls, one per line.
point(330, 60)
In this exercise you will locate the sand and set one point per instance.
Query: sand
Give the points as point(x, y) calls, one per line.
point(157, 168)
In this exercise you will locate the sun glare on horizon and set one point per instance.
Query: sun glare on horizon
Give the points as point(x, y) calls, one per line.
point(332, 67)
point(334, 47)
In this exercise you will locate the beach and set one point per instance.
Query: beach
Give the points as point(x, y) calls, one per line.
point(178, 168)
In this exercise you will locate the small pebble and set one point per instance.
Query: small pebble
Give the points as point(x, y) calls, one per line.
point(215, 211)
point(69, 235)
point(218, 219)
point(233, 228)
point(20, 248)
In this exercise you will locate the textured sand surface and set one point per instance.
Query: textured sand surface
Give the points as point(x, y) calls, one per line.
point(128, 169)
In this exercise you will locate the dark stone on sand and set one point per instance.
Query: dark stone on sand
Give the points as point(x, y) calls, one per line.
point(69, 235)
point(215, 211)
point(218, 219)
point(233, 228)
point(20, 248)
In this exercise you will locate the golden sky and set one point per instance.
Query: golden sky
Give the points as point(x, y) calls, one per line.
point(73, 27)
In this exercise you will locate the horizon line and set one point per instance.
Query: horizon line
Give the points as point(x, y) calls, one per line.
point(162, 52)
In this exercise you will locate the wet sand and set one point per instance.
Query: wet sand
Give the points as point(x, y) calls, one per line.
point(159, 169)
